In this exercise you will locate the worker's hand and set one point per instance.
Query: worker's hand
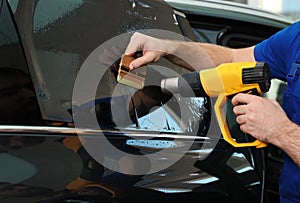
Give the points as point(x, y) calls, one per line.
point(260, 117)
point(190, 55)
point(153, 49)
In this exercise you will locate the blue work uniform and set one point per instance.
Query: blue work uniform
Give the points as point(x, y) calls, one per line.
point(282, 53)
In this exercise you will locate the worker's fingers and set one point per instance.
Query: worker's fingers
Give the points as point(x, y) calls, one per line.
point(240, 109)
point(150, 46)
point(139, 62)
point(241, 119)
point(148, 56)
point(242, 98)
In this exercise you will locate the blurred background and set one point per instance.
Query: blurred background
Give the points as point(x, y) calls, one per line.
point(290, 8)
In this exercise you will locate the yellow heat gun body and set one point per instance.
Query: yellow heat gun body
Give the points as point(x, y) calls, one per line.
point(223, 82)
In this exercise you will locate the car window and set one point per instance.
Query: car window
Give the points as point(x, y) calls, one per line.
point(59, 37)
point(11, 50)
point(18, 104)
point(8, 32)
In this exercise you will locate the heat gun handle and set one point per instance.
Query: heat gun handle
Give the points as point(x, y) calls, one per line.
point(221, 118)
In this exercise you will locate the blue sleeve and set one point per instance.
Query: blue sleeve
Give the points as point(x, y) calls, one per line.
point(279, 51)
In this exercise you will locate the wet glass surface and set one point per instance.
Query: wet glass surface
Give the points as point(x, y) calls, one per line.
point(58, 36)
point(18, 104)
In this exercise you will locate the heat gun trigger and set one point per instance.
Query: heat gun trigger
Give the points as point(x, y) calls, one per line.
point(251, 91)
point(225, 128)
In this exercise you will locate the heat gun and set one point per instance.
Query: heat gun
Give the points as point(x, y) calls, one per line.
point(224, 82)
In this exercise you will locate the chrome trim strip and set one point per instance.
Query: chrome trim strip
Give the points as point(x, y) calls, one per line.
point(67, 131)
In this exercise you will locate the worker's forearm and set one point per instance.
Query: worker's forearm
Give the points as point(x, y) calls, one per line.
point(288, 139)
point(196, 56)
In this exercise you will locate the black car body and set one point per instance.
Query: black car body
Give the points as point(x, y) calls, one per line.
point(44, 44)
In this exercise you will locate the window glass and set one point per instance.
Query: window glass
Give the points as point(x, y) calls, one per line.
point(18, 104)
point(58, 37)
point(7, 30)
point(10, 48)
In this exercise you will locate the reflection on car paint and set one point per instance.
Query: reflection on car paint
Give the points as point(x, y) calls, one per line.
point(200, 152)
point(203, 180)
point(239, 163)
point(172, 190)
point(155, 144)
point(15, 169)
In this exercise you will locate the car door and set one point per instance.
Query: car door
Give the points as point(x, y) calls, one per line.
point(46, 156)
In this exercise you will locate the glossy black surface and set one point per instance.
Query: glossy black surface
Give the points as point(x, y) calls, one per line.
point(43, 45)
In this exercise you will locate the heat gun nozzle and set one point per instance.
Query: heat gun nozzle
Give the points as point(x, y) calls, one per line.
point(169, 85)
point(187, 85)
